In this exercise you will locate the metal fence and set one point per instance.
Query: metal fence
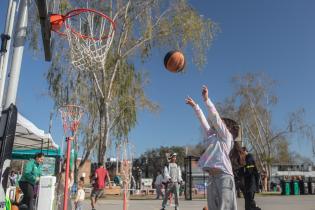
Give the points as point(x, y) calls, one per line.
point(195, 179)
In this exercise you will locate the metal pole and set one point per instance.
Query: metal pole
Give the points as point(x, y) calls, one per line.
point(186, 177)
point(76, 146)
point(18, 44)
point(66, 190)
point(204, 185)
point(19, 40)
point(190, 179)
point(5, 54)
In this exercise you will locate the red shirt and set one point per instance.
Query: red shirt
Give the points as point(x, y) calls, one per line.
point(101, 176)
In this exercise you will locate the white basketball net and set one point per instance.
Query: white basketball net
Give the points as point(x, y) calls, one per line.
point(71, 116)
point(125, 157)
point(89, 52)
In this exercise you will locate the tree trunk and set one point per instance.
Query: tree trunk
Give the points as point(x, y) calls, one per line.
point(100, 144)
point(104, 134)
point(85, 158)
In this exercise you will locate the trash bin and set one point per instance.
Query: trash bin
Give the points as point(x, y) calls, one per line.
point(309, 186)
point(285, 188)
point(275, 188)
point(313, 187)
point(305, 189)
point(296, 188)
point(292, 187)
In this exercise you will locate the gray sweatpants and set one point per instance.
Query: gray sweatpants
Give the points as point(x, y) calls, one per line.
point(172, 187)
point(221, 193)
point(79, 205)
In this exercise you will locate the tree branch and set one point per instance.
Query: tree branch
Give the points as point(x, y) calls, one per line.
point(261, 151)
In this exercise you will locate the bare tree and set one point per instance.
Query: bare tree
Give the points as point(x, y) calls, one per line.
point(251, 105)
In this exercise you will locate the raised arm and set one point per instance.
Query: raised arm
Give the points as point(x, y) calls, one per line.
point(203, 121)
point(214, 116)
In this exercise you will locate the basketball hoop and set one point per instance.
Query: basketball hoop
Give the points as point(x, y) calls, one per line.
point(90, 34)
point(125, 157)
point(71, 116)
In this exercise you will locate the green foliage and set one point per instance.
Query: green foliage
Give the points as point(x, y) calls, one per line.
point(184, 26)
point(155, 159)
point(281, 152)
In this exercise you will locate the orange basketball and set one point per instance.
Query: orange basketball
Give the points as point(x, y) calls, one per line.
point(174, 61)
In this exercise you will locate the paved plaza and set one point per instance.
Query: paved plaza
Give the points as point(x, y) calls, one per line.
point(306, 202)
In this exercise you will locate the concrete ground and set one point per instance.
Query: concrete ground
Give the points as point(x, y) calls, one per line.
point(306, 202)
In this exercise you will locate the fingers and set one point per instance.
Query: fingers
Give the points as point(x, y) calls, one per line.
point(189, 100)
point(204, 92)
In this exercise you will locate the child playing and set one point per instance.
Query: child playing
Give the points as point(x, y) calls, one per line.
point(80, 196)
point(215, 160)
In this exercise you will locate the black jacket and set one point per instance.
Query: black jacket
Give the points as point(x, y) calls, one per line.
point(251, 175)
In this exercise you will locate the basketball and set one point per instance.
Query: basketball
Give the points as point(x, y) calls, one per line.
point(174, 61)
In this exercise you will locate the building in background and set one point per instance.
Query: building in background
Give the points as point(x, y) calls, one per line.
point(289, 171)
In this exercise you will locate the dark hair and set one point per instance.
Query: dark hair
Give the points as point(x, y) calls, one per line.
point(100, 164)
point(244, 149)
point(232, 126)
point(39, 155)
point(237, 156)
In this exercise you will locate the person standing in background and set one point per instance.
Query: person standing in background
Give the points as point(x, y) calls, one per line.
point(159, 185)
point(12, 178)
point(251, 181)
point(101, 175)
point(30, 177)
point(173, 179)
point(80, 196)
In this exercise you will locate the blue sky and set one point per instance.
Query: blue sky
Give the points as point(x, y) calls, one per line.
point(274, 37)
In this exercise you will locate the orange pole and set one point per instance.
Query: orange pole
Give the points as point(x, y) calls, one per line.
point(66, 190)
point(125, 200)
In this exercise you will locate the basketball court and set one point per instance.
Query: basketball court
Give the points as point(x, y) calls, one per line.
point(89, 45)
point(265, 202)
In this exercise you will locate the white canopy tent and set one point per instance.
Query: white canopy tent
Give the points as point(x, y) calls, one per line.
point(30, 137)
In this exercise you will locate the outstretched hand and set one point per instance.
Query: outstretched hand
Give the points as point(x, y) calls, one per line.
point(205, 93)
point(190, 101)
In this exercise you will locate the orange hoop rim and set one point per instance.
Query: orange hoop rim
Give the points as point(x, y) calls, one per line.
point(77, 12)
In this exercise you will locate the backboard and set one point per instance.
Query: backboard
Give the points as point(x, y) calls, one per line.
point(43, 11)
